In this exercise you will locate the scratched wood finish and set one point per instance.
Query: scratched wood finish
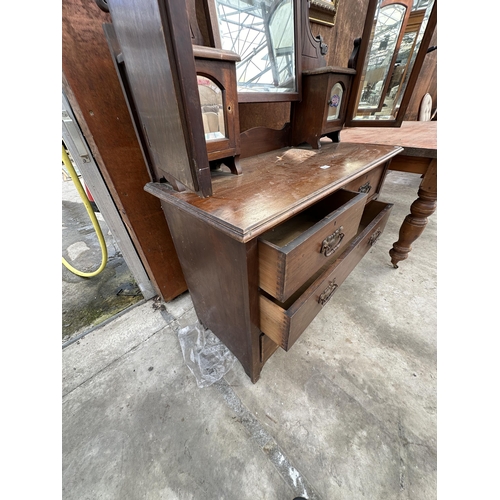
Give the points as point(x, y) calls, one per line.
point(222, 276)
point(277, 185)
point(93, 90)
point(417, 138)
point(293, 251)
point(156, 43)
point(285, 322)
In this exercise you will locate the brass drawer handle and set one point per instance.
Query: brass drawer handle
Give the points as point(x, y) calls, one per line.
point(327, 294)
point(365, 188)
point(332, 242)
point(374, 237)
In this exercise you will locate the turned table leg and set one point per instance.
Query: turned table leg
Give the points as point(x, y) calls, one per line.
point(414, 224)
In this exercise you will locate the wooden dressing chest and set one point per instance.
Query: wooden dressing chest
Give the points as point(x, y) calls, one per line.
point(266, 235)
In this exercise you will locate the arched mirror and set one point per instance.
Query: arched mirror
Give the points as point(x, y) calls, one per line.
point(212, 108)
point(263, 34)
point(391, 53)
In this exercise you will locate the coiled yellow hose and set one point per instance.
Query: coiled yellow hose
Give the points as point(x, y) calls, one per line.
point(95, 223)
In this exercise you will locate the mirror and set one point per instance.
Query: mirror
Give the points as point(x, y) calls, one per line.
point(389, 54)
point(212, 108)
point(262, 32)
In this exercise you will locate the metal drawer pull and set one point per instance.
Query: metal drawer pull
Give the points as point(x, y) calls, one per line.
point(332, 242)
point(374, 237)
point(365, 188)
point(327, 294)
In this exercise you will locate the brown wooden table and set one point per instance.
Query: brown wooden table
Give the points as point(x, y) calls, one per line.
point(419, 140)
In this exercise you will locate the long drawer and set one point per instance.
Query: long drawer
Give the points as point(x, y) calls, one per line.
point(284, 322)
point(293, 251)
point(369, 183)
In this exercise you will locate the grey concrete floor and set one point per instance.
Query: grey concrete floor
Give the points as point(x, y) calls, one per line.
point(348, 413)
point(87, 302)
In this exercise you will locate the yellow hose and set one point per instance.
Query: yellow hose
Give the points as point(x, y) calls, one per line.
point(86, 202)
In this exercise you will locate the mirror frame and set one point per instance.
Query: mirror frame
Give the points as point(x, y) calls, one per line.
point(245, 97)
point(412, 80)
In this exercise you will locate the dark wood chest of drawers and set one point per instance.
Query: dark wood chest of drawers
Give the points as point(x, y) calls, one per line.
point(264, 254)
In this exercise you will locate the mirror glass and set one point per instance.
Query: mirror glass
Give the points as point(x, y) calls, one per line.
point(335, 102)
point(212, 110)
point(385, 36)
point(262, 33)
point(393, 48)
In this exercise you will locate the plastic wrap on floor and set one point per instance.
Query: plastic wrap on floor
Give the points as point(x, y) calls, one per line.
point(204, 354)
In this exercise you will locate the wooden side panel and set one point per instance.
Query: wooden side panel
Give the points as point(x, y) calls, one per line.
point(270, 269)
point(349, 25)
point(155, 40)
point(262, 140)
point(222, 276)
point(274, 321)
point(271, 114)
point(93, 90)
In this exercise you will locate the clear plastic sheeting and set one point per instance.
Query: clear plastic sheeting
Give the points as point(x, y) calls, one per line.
point(204, 354)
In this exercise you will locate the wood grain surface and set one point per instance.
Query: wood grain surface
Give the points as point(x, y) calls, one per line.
point(417, 138)
point(276, 185)
point(285, 322)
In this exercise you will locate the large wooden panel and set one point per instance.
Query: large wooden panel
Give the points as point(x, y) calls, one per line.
point(349, 25)
point(155, 40)
point(222, 275)
point(93, 90)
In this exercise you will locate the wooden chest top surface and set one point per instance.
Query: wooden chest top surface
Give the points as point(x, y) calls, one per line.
point(275, 186)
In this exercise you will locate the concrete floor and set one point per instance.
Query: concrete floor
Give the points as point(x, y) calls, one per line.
point(86, 302)
point(348, 413)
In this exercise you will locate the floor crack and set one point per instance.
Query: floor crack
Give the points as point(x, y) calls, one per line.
point(289, 473)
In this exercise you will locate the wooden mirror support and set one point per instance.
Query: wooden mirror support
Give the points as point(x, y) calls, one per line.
point(164, 89)
point(323, 107)
point(216, 76)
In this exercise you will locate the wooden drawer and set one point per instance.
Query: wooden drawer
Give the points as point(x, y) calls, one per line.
point(290, 253)
point(369, 183)
point(284, 322)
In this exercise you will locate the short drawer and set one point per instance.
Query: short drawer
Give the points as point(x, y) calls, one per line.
point(290, 253)
point(284, 322)
point(369, 183)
